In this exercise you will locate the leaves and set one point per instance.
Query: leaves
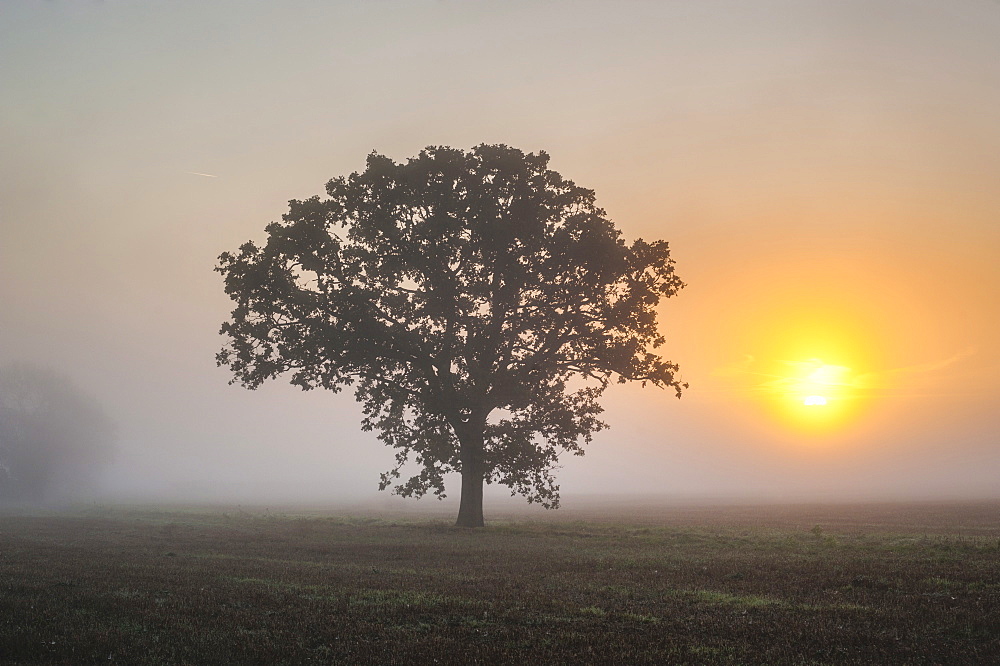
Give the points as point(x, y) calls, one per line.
point(460, 294)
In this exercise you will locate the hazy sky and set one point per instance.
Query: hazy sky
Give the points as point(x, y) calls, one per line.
point(826, 172)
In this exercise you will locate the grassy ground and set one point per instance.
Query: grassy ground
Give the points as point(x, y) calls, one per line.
point(764, 585)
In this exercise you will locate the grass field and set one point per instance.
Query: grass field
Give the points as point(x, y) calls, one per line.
point(732, 585)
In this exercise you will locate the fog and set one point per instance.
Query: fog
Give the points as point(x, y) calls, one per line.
point(825, 173)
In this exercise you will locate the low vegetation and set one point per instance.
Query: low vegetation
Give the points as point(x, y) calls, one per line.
point(107, 585)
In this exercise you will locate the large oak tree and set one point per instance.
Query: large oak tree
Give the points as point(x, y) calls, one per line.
point(477, 302)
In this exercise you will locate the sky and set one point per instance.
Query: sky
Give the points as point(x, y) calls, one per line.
point(825, 172)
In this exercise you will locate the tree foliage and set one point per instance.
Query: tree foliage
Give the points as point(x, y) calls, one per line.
point(477, 302)
point(53, 437)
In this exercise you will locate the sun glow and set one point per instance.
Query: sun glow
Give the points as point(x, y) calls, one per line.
point(814, 394)
point(814, 382)
point(809, 361)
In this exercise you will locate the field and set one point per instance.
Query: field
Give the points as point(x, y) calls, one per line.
point(730, 585)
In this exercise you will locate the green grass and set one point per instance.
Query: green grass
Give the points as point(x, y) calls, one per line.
point(175, 587)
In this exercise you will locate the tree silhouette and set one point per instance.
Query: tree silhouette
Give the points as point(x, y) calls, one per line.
point(53, 437)
point(477, 302)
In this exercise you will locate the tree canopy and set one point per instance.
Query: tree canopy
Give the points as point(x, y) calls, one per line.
point(477, 302)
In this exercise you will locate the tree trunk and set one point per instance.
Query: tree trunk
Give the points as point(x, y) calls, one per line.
point(470, 511)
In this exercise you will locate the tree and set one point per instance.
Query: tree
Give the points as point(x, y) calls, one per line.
point(477, 302)
point(53, 437)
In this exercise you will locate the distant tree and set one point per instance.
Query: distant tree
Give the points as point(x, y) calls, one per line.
point(53, 437)
point(478, 303)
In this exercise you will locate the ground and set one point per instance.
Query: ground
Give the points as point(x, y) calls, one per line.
point(730, 585)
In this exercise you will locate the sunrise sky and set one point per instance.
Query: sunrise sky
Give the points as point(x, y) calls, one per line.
point(827, 173)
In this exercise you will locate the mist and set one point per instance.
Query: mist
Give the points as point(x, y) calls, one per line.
point(821, 167)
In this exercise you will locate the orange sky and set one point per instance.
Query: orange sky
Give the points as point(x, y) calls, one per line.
point(825, 172)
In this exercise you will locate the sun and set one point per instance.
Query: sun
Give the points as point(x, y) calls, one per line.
point(813, 394)
point(807, 394)
point(814, 382)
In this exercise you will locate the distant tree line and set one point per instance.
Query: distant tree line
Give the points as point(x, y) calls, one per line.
point(54, 438)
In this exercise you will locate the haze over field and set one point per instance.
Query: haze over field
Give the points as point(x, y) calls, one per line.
point(824, 171)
